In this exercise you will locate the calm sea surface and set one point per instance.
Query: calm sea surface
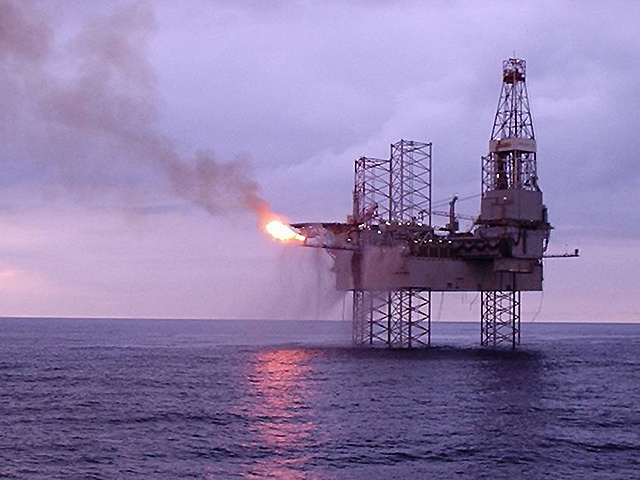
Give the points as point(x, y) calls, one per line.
point(119, 399)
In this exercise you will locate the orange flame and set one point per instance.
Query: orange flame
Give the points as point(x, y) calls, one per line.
point(281, 231)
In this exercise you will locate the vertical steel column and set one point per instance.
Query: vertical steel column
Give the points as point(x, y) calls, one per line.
point(500, 318)
point(359, 332)
point(371, 191)
point(410, 181)
point(419, 324)
point(396, 319)
point(397, 190)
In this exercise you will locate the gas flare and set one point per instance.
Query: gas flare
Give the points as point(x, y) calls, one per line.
point(283, 232)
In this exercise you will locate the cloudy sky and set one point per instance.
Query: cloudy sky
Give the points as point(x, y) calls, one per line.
point(138, 139)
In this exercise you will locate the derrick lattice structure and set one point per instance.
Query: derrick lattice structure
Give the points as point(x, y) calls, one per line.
point(410, 182)
point(508, 170)
point(391, 192)
point(511, 163)
point(372, 190)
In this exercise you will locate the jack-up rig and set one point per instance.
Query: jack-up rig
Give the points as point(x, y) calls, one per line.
point(392, 258)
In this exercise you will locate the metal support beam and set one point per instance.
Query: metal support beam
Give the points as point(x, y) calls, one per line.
point(410, 182)
point(371, 202)
point(500, 318)
point(400, 318)
point(397, 190)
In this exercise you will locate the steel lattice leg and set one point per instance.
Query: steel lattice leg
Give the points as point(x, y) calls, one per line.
point(400, 318)
point(359, 318)
point(419, 325)
point(500, 318)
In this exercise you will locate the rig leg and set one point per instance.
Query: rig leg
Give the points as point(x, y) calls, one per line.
point(360, 318)
point(400, 318)
point(419, 321)
point(500, 318)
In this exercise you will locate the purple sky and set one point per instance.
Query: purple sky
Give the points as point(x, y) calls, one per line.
point(111, 116)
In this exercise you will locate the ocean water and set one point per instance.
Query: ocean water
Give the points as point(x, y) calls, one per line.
point(120, 399)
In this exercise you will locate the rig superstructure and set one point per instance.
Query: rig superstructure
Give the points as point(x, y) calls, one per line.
point(390, 255)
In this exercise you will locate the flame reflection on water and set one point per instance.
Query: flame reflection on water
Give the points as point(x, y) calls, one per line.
point(281, 416)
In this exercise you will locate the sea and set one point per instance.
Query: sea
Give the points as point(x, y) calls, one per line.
point(216, 399)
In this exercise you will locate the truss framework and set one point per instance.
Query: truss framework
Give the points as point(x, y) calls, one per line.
point(512, 167)
point(393, 190)
point(410, 181)
point(397, 189)
point(513, 117)
point(371, 193)
point(500, 318)
point(400, 318)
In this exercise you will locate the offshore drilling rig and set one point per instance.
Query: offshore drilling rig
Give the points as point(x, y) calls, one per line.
point(389, 254)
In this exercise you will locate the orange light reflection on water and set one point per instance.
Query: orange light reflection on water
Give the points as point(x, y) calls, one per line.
point(282, 417)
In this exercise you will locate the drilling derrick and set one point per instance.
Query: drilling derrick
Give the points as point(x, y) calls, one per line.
point(512, 211)
point(391, 257)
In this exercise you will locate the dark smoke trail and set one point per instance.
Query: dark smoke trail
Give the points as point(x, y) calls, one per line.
point(86, 111)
